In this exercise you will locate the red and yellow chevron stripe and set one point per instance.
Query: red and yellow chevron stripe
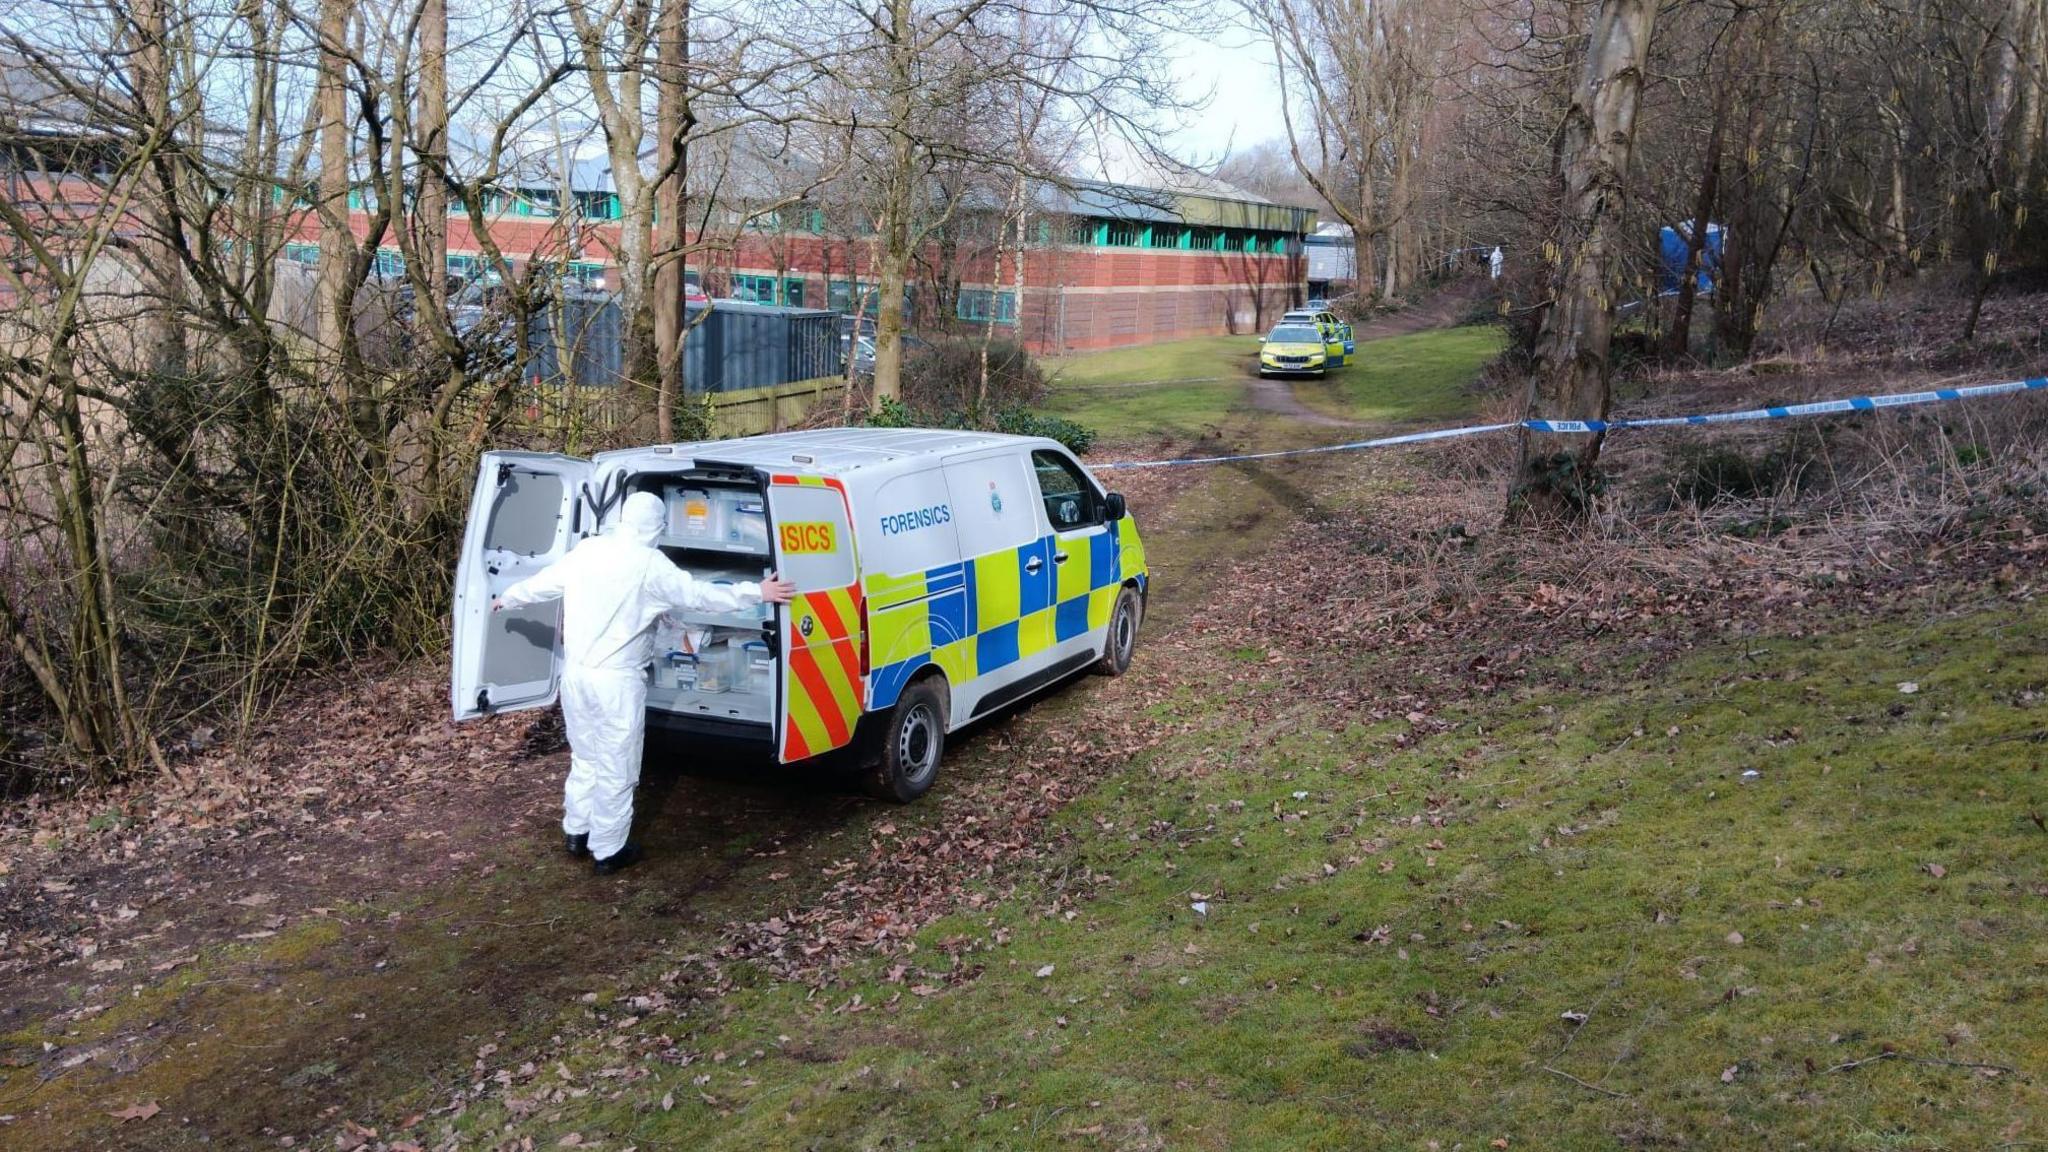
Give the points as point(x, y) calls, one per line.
point(825, 682)
point(825, 693)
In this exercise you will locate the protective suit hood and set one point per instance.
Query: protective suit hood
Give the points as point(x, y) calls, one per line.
point(642, 518)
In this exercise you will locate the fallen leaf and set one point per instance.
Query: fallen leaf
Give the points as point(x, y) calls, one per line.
point(1728, 1073)
point(668, 1101)
point(1908, 687)
point(136, 1112)
point(1735, 937)
point(1936, 871)
point(1042, 973)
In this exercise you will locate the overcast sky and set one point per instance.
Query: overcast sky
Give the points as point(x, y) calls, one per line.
point(1246, 106)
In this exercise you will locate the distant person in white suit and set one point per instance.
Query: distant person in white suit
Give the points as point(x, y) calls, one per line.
point(1494, 262)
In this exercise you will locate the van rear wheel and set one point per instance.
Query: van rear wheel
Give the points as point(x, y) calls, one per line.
point(1123, 634)
point(912, 743)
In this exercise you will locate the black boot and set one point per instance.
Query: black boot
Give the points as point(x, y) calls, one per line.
point(624, 858)
point(577, 845)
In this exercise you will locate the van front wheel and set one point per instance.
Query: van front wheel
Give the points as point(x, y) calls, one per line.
point(1123, 635)
point(912, 743)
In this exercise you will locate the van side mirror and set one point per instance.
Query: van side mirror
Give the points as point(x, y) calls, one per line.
point(1113, 506)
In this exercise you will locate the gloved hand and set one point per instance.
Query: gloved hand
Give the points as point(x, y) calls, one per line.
point(776, 590)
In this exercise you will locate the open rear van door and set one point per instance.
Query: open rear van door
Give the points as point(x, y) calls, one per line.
point(523, 517)
point(820, 689)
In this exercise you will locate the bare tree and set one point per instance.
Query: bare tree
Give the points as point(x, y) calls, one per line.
point(915, 86)
point(1556, 475)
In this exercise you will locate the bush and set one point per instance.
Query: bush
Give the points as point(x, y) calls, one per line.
point(1019, 422)
point(945, 376)
point(942, 384)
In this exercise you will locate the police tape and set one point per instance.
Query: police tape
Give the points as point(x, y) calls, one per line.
point(1589, 427)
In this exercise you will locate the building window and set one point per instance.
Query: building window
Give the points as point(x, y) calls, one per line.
point(842, 295)
point(1168, 236)
point(390, 264)
point(982, 305)
point(1203, 239)
point(597, 205)
point(1084, 233)
point(307, 254)
point(592, 275)
point(461, 265)
point(755, 289)
point(539, 202)
point(1121, 234)
point(768, 290)
point(1233, 241)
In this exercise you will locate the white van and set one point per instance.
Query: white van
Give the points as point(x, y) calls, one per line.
point(940, 576)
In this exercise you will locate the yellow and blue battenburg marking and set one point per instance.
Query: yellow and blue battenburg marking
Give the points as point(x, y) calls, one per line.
point(977, 617)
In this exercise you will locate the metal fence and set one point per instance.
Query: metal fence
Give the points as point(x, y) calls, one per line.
point(729, 346)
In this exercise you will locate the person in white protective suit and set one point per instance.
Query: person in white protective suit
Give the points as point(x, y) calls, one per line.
point(613, 588)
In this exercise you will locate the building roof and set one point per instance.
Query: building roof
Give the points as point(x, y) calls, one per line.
point(31, 105)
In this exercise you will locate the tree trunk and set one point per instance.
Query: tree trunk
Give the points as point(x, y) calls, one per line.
point(891, 268)
point(431, 139)
point(1678, 338)
point(161, 330)
point(1556, 476)
point(673, 121)
point(332, 297)
point(899, 202)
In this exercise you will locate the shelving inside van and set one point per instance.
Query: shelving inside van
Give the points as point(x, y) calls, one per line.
point(713, 665)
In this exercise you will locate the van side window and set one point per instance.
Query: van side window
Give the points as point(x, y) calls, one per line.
point(1070, 500)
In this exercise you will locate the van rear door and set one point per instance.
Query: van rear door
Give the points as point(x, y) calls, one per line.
point(524, 516)
point(819, 685)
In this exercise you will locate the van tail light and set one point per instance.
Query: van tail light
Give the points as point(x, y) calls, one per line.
point(863, 637)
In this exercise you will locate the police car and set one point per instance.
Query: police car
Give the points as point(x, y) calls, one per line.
point(941, 576)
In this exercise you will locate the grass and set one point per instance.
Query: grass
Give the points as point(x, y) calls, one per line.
point(1394, 938)
point(1203, 358)
point(1180, 389)
point(1194, 387)
point(1121, 412)
point(1420, 376)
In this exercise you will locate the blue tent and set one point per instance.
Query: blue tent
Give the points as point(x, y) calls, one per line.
point(1674, 244)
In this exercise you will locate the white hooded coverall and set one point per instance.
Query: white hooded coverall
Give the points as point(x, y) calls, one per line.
point(613, 588)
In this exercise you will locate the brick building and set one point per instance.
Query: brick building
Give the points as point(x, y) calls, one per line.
point(1108, 265)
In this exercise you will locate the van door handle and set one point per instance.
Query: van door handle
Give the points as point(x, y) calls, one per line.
point(1033, 565)
point(1059, 557)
